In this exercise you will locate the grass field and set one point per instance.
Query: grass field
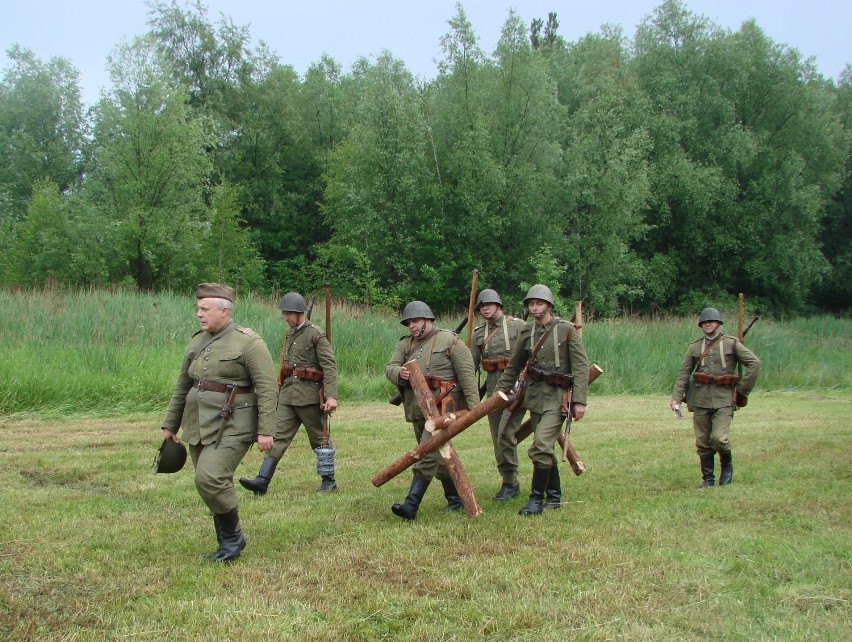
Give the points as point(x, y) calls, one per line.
point(94, 546)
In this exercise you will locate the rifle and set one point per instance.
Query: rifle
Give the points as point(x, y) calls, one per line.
point(397, 398)
point(310, 309)
point(519, 389)
point(471, 307)
point(740, 402)
point(568, 416)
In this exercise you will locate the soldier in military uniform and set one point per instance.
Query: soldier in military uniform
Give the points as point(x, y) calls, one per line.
point(491, 348)
point(561, 364)
point(308, 391)
point(224, 399)
point(714, 393)
point(446, 362)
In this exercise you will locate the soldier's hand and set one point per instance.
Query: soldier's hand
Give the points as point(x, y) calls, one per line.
point(168, 434)
point(579, 411)
point(264, 442)
point(403, 373)
point(330, 405)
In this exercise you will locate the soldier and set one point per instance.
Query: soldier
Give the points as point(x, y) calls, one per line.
point(491, 348)
point(225, 400)
point(714, 393)
point(561, 364)
point(308, 390)
point(446, 362)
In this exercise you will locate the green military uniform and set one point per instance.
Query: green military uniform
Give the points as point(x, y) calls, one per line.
point(306, 355)
point(232, 356)
point(440, 354)
point(713, 405)
point(562, 352)
point(491, 349)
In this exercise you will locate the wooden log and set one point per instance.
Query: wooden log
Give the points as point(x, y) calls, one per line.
point(440, 437)
point(422, 392)
point(459, 477)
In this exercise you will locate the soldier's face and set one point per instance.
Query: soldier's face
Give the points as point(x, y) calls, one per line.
point(710, 327)
point(419, 327)
point(489, 311)
point(539, 309)
point(211, 317)
point(293, 319)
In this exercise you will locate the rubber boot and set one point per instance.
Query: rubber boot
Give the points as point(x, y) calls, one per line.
point(726, 476)
point(553, 493)
point(328, 484)
point(259, 484)
point(218, 526)
point(707, 476)
point(233, 541)
point(451, 493)
point(535, 505)
point(408, 509)
point(507, 491)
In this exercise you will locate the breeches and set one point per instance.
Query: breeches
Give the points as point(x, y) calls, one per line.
point(505, 447)
point(287, 422)
point(546, 427)
point(432, 465)
point(214, 473)
point(712, 428)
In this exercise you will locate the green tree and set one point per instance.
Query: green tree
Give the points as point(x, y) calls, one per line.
point(44, 243)
point(150, 171)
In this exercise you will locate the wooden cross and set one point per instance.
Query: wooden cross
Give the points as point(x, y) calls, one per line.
point(442, 428)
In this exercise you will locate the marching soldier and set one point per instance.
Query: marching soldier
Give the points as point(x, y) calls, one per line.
point(224, 399)
point(308, 390)
point(491, 348)
point(714, 393)
point(448, 366)
point(560, 366)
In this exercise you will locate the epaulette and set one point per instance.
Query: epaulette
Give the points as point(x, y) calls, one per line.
point(197, 333)
point(697, 340)
point(476, 327)
point(248, 331)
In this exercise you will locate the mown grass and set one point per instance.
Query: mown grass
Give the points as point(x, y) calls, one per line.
point(96, 547)
point(110, 353)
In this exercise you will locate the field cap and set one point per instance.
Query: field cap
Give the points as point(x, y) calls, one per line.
point(215, 291)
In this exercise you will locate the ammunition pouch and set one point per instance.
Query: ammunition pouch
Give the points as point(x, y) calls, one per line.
point(301, 372)
point(723, 380)
point(490, 365)
point(561, 379)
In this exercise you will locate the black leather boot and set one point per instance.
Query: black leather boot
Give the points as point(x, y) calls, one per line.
point(707, 476)
point(535, 505)
point(218, 526)
point(408, 509)
point(726, 476)
point(553, 493)
point(328, 484)
point(451, 493)
point(259, 484)
point(232, 540)
point(507, 491)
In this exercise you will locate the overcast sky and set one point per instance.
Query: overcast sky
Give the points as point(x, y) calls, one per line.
point(300, 31)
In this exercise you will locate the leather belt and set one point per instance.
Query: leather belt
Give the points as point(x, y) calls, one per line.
point(492, 365)
point(219, 387)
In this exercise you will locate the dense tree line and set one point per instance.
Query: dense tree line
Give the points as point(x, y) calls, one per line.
point(660, 172)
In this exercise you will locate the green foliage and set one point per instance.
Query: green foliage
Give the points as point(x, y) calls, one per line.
point(101, 352)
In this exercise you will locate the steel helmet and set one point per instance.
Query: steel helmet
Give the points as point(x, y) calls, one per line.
point(539, 291)
point(488, 296)
point(709, 314)
point(416, 310)
point(293, 302)
point(170, 457)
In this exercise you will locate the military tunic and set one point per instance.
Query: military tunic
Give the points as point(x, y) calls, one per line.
point(299, 397)
point(713, 405)
point(233, 355)
point(439, 354)
point(494, 340)
point(563, 352)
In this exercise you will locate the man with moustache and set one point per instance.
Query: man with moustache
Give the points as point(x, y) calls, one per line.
point(446, 362)
point(559, 365)
point(224, 399)
point(491, 348)
point(308, 380)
